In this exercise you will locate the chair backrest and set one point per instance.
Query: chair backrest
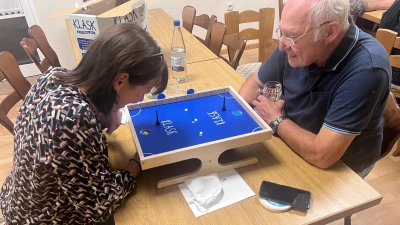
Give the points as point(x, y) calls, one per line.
point(390, 41)
point(237, 43)
point(273, 43)
point(30, 47)
point(10, 71)
point(206, 22)
point(265, 18)
point(387, 38)
point(190, 19)
point(270, 46)
point(218, 31)
point(391, 128)
point(38, 36)
point(188, 15)
point(280, 7)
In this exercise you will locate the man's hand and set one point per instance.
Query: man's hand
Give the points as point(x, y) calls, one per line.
point(268, 110)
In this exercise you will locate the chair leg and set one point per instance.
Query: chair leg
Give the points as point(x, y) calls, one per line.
point(347, 220)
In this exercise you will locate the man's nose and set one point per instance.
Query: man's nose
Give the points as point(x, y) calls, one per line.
point(282, 46)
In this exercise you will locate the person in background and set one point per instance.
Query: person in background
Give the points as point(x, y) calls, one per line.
point(335, 82)
point(359, 7)
point(61, 172)
point(391, 20)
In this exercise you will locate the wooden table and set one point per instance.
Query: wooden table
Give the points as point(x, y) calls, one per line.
point(374, 16)
point(336, 192)
point(161, 29)
point(368, 20)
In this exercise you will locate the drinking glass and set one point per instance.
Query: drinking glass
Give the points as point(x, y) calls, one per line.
point(172, 89)
point(272, 90)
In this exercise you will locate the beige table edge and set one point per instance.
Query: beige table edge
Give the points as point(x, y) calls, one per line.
point(374, 16)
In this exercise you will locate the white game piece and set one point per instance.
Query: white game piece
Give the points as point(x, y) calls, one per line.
point(201, 133)
point(186, 110)
point(195, 119)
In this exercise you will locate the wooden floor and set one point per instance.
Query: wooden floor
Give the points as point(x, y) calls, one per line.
point(385, 177)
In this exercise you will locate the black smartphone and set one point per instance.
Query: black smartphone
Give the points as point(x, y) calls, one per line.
point(285, 194)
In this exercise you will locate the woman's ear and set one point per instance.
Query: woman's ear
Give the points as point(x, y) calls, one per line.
point(120, 81)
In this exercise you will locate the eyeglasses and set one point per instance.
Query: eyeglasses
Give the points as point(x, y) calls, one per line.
point(289, 41)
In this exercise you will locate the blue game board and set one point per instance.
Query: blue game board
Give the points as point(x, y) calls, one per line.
point(190, 122)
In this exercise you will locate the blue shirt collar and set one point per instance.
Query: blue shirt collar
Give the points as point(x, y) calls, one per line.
point(346, 45)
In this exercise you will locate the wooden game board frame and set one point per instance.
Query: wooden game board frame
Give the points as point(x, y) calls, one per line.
point(207, 153)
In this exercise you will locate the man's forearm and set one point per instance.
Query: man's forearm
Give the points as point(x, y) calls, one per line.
point(322, 150)
point(248, 89)
point(299, 140)
point(378, 5)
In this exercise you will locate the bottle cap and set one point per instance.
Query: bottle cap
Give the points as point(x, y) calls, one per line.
point(274, 206)
point(177, 22)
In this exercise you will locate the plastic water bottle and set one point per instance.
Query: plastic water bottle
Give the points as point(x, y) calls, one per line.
point(178, 54)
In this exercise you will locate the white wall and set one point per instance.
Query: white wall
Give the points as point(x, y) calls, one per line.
point(57, 35)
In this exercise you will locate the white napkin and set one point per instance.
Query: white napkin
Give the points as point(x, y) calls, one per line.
point(205, 190)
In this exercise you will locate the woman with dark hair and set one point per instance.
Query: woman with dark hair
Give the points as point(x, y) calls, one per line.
point(61, 172)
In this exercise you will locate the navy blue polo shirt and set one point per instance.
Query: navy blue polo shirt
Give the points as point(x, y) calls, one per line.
point(347, 95)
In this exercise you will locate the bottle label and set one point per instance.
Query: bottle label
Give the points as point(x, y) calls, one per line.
point(178, 64)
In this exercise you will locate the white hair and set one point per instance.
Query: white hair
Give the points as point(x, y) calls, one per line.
point(329, 10)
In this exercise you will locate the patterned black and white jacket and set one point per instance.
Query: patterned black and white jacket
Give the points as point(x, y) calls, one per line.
point(61, 169)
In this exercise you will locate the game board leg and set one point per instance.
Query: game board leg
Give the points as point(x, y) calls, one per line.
point(207, 167)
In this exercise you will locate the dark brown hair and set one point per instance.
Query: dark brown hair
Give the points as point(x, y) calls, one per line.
point(122, 48)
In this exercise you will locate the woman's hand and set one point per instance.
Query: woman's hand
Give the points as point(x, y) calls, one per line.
point(134, 166)
point(112, 120)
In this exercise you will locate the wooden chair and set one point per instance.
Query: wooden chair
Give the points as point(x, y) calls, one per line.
point(272, 43)
point(265, 18)
point(270, 46)
point(391, 127)
point(10, 71)
point(390, 41)
point(218, 31)
point(237, 43)
point(189, 19)
point(188, 15)
point(39, 41)
point(30, 47)
point(280, 8)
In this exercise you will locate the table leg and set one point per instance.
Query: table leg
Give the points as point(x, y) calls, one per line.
point(347, 220)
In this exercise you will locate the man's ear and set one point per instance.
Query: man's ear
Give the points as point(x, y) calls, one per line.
point(333, 31)
point(120, 80)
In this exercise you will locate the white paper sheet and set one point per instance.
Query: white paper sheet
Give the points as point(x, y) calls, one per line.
point(234, 187)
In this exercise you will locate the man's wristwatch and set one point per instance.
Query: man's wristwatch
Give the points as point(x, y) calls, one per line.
point(274, 124)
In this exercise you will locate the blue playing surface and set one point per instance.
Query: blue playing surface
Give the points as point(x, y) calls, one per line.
point(179, 129)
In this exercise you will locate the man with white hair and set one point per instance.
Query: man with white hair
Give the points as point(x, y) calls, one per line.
point(335, 82)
